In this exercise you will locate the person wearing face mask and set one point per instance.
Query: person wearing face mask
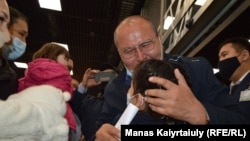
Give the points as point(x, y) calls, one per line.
point(140, 83)
point(8, 78)
point(206, 101)
point(18, 28)
point(234, 65)
point(12, 49)
point(4, 20)
point(37, 113)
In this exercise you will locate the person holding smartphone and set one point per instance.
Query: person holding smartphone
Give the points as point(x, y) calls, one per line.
point(88, 96)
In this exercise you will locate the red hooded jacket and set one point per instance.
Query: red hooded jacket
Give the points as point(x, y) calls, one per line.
point(48, 71)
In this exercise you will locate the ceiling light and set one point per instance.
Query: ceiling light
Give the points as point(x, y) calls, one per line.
point(51, 4)
point(63, 45)
point(168, 21)
point(200, 2)
point(21, 65)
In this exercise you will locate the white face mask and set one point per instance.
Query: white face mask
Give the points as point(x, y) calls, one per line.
point(3, 38)
point(128, 98)
point(15, 50)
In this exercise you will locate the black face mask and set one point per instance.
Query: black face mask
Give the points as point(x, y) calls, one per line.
point(228, 66)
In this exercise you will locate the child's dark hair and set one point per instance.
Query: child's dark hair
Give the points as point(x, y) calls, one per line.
point(15, 15)
point(160, 68)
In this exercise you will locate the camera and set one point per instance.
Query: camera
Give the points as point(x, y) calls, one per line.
point(104, 76)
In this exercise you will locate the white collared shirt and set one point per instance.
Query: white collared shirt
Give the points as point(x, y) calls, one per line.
point(239, 81)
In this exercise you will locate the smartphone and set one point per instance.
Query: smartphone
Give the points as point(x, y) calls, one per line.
point(104, 76)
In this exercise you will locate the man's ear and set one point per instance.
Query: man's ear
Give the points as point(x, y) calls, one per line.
point(245, 55)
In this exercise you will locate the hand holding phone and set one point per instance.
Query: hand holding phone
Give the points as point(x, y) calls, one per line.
point(104, 76)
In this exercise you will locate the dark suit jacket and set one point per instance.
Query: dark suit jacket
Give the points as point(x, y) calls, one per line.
point(88, 107)
point(207, 88)
point(8, 80)
point(244, 105)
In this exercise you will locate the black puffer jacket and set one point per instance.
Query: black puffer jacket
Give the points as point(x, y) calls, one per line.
point(8, 80)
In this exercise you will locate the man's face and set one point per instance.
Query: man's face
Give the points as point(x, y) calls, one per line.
point(19, 30)
point(4, 20)
point(136, 39)
point(227, 51)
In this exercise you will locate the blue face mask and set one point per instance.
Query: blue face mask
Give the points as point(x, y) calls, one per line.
point(15, 50)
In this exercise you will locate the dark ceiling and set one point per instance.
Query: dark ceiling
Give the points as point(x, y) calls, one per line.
point(240, 26)
point(87, 27)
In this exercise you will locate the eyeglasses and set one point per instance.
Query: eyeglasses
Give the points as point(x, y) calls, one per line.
point(145, 47)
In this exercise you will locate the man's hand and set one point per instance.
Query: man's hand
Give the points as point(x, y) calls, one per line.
point(107, 132)
point(177, 101)
point(88, 79)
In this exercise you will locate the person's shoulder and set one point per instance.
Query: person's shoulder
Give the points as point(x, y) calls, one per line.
point(116, 82)
point(194, 59)
point(121, 76)
point(179, 57)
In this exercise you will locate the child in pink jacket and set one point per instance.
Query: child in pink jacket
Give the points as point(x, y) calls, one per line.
point(50, 66)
